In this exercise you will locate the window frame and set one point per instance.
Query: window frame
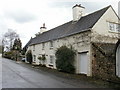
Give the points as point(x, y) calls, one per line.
point(118, 28)
point(33, 47)
point(114, 28)
point(34, 58)
point(43, 46)
point(111, 28)
point(51, 60)
point(51, 45)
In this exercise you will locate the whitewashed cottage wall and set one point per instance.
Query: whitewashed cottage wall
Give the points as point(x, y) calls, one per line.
point(80, 42)
point(101, 30)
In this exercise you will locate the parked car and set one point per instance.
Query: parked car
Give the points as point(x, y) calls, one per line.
point(23, 59)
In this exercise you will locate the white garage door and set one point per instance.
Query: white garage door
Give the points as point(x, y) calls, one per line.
point(118, 61)
point(83, 63)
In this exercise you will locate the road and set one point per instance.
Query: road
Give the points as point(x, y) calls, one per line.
point(0, 72)
point(15, 75)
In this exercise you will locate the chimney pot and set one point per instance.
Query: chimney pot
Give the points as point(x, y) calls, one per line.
point(43, 28)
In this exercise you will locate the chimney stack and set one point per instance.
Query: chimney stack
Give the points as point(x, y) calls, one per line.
point(43, 28)
point(78, 12)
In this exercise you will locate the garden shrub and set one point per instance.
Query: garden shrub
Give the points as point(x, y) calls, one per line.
point(8, 55)
point(42, 59)
point(65, 59)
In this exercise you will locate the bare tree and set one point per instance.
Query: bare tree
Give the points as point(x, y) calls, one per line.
point(8, 38)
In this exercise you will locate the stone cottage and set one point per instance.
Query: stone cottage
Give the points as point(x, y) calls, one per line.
point(98, 27)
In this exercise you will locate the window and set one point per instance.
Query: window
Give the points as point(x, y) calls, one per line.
point(43, 46)
point(114, 27)
point(51, 59)
point(51, 44)
point(118, 27)
point(34, 58)
point(111, 26)
point(33, 47)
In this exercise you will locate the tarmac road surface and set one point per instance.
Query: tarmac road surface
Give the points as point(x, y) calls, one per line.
point(15, 75)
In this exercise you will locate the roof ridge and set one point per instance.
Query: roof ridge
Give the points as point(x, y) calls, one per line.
point(53, 28)
point(102, 11)
point(99, 10)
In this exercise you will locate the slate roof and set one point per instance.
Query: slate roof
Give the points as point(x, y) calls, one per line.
point(105, 48)
point(70, 28)
point(26, 46)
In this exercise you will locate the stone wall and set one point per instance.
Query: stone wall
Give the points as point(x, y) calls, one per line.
point(103, 61)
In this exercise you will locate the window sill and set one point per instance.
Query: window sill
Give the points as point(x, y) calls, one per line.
point(51, 47)
point(114, 32)
point(51, 65)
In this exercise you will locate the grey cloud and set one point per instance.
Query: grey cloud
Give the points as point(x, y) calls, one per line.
point(89, 6)
point(20, 16)
point(66, 4)
point(119, 8)
point(3, 26)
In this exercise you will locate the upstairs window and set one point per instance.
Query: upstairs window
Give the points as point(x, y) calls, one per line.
point(113, 27)
point(51, 44)
point(33, 47)
point(118, 27)
point(43, 46)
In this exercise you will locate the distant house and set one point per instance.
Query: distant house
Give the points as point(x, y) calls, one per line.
point(98, 27)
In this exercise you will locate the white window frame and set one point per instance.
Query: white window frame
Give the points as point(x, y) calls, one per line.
point(51, 44)
point(114, 27)
point(51, 59)
point(33, 47)
point(117, 27)
point(43, 46)
point(34, 58)
point(111, 27)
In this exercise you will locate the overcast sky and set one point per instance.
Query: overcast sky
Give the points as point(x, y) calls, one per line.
point(27, 16)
